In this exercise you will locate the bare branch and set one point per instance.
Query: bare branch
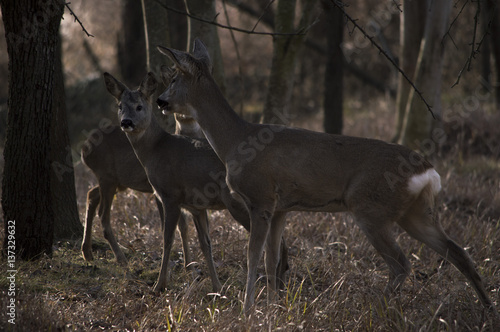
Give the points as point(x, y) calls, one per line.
point(250, 32)
point(340, 6)
point(262, 15)
point(474, 50)
point(77, 19)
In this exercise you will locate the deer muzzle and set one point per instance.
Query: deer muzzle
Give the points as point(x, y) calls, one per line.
point(127, 125)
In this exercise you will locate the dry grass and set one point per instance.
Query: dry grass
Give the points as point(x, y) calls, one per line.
point(335, 281)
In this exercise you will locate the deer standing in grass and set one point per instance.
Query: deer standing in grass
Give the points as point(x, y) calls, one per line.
point(117, 168)
point(184, 172)
point(274, 169)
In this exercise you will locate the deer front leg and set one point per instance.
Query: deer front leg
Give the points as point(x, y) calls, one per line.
point(93, 198)
point(201, 223)
point(107, 193)
point(273, 249)
point(260, 222)
point(172, 213)
point(184, 232)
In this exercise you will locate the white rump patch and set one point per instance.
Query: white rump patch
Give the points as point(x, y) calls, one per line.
point(418, 182)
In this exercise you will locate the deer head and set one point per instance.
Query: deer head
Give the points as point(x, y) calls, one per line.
point(189, 69)
point(134, 106)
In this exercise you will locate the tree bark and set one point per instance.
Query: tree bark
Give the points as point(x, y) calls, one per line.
point(66, 219)
point(494, 6)
point(156, 31)
point(131, 44)
point(208, 35)
point(418, 123)
point(411, 31)
point(285, 50)
point(31, 29)
point(334, 73)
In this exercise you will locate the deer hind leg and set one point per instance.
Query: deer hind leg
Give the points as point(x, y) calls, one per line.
point(107, 193)
point(93, 199)
point(381, 237)
point(201, 223)
point(422, 223)
point(272, 254)
point(172, 213)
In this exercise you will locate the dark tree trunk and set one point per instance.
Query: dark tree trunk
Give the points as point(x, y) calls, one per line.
point(208, 35)
point(494, 6)
point(285, 50)
point(334, 72)
point(178, 26)
point(66, 220)
point(411, 32)
point(31, 29)
point(156, 31)
point(132, 44)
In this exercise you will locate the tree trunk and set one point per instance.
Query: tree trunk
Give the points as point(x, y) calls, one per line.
point(494, 6)
point(285, 50)
point(208, 35)
point(31, 29)
point(131, 44)
point(66, 219)
point(418, 123)
point(411, 32)
point(156, 30)
point(334, 72)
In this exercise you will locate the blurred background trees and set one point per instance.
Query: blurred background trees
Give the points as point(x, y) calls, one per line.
point(327, 78)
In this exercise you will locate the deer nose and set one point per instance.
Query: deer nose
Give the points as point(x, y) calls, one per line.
point(163, 104)
point(127, 124)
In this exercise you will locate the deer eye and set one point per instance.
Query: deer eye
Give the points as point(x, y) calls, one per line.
point(139, 108)
point(119, 107)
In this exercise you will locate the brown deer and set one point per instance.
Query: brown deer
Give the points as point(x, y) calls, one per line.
point(184, 172)
point(274, 169)
point(116, 167)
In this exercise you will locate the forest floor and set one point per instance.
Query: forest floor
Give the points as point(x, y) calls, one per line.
point(335, 281)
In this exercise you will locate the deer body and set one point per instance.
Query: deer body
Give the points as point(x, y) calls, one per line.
point(184, 172)
point(114, 163)
point(274, 169)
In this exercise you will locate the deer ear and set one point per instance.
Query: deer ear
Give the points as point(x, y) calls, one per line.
point(166, 74)
point(114, 86)
point(200, 52)
point(148, 85)
point(182, 60)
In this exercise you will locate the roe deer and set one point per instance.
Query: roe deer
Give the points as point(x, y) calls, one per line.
point(274, 169)
point(117, 168)
point(184, 172)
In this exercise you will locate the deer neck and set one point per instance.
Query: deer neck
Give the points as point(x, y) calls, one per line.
point(145, 143)
point(223, 128)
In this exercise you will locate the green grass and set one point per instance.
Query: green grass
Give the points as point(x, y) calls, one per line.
point(335, 281)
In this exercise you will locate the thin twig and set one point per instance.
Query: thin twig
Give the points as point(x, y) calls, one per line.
point(262, 15)
point(474, 50)
point(250, 32)
point(77, 19)
point(374, 43)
